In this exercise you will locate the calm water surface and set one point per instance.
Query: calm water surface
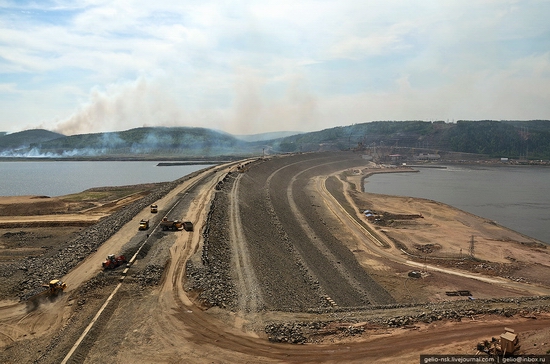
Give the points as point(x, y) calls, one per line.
point(56, 178)
point(516, 197)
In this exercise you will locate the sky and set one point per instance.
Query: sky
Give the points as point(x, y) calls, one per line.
point(248, 67)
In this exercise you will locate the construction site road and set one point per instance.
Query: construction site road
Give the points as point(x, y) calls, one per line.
point(269, 249)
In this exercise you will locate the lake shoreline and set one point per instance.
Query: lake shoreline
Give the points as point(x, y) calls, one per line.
point(530, 228)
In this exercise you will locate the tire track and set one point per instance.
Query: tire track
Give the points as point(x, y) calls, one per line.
point(341, 269)
point(335, 267)
point(250, 298)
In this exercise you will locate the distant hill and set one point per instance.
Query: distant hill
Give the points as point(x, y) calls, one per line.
point(23, 139)
point(512, 139)
point(161, 142)
point(267, 136)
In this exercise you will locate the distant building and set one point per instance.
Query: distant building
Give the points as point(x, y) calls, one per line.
point(396, 157)
point(428, 157)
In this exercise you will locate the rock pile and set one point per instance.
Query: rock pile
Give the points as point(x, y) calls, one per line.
point(150, 275)
point(292, 333)
point(306, 332)
point(212, 275)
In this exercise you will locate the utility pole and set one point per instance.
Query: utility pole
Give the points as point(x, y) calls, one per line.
point(472, 243)
point(527, 143)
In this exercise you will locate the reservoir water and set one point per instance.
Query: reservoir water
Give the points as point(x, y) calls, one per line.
point(516, 196)
point(57, 178)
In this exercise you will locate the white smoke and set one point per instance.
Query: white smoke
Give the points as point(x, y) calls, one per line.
point(123, 106)
point(37, 153)
point(254, 110)
point(152, 102)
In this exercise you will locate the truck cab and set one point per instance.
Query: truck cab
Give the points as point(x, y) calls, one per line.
point(144, 225)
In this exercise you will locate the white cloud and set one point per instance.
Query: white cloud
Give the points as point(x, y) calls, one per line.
point(10, 88)
point(252, 66)
point(359, 47)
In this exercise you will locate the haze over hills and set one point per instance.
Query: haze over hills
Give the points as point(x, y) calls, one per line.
point(512, 139)
point(24, 139)
point(267, 136)
point(147, 141)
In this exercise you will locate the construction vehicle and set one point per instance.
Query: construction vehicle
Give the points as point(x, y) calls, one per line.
point(188, 226)
point(144, 224)
point(506, 345)
point(154, 209)
point(173, 225)
point(55, 287)
point(113, 261)
point(241, 168)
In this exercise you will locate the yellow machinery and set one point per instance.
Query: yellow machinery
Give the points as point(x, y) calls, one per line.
point(55, 287)
point(144, 225)
point(171, 224)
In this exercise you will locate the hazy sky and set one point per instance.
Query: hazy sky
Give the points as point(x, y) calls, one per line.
point(257, 66)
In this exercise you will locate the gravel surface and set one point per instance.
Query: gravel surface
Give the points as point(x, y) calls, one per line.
point(406, 316)
point(211, 274)
point(298, 268)
point(342, 277)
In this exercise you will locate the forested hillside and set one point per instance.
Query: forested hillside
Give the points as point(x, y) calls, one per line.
point(512, 139)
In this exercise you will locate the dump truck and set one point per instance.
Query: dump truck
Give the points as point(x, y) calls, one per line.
point(55, 287)
point(144, 225)
point(173, 225)
point(188, 226)
point(154, 209)
point(113, 261)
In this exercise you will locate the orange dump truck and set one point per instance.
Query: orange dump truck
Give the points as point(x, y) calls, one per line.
point(173, 225)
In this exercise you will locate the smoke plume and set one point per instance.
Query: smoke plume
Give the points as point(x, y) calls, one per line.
point(124, 106)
